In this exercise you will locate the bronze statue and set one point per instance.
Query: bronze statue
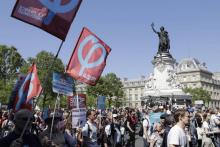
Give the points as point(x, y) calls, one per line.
point(164, 41)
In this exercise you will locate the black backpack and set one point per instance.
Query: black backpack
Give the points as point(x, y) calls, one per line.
point(141, 131)
point(125, 125)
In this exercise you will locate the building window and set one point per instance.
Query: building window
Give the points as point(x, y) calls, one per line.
point(136, 97)
point(130, 97)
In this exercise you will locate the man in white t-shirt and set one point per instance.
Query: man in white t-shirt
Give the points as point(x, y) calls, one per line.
point(146, 130)
point(177, 136)
point(89, 131)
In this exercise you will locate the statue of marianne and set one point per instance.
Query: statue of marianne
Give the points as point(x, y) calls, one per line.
point(164, 41)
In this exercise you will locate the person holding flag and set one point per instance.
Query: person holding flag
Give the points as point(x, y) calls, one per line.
point(14, 139)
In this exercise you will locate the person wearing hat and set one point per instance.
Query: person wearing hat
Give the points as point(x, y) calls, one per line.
point(28, 139)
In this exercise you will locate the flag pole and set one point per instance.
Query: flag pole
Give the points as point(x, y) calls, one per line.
point(77, 104)
point(44, 83)
point(51, 128)
point(45, 80)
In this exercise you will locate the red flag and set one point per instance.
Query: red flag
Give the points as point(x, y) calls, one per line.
point(54, 17)
point(35, 86)
point(29, 88)
point(89, 58)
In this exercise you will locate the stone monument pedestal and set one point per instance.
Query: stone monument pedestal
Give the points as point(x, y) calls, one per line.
point(163, 82)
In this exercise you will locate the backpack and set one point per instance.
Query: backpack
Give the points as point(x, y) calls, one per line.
point(125, 125)
point(141, 131)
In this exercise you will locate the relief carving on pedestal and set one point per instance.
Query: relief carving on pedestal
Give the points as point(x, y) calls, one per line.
point(173, 80)
point(160, 66)
point(150, 82)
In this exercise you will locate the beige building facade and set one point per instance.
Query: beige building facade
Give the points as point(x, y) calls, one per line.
point(133, 90)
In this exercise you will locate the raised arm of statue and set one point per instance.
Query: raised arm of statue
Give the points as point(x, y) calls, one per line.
point(152, 25)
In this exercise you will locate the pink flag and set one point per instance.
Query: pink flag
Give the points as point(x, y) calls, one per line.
point(89, 58)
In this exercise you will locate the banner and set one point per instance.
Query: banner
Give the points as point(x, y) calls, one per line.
point(52, 16)
point(101, 102)
point(62, 84)
point(89, 58)
point(78, 118)
point(81, 100)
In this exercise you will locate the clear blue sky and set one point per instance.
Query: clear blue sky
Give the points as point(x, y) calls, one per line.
point(193, 26)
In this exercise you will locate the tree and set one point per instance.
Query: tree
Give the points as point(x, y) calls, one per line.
point(109, 86)
point(5, 91)
point(198, 94)
point(44, 61)
point(10, 62)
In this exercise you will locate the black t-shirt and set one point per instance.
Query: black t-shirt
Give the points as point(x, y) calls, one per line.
point(29, 140)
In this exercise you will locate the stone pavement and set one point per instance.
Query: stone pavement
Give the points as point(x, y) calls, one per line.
point(138, 139)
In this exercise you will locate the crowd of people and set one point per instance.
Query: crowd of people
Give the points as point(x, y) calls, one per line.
point(112, 128)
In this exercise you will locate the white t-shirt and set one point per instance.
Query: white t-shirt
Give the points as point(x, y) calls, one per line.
point(90, 131)
point(205, 125)
point(177, 136)
point(212, 122)
point(146, 123)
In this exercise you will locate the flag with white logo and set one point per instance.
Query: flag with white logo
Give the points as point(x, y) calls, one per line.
point(89, 58)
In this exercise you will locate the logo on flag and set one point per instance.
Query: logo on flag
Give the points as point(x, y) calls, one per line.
point(89, 58)
point(55, 16)
point(28, 88)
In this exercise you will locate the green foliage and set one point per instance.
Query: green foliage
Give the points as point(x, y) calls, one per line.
point(91, 101)
point(198, 94)
point(50, 101)
point(5, 91)
point(109, 86)
point(10, 62)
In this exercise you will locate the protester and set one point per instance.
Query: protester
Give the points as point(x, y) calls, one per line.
point(56, 136)
point(156, 138)
point(177, 136)
point(146, 128)
point(169, 122)
point(14, 139)
point(131, 128)
point(193, 142)
point(89, 131)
